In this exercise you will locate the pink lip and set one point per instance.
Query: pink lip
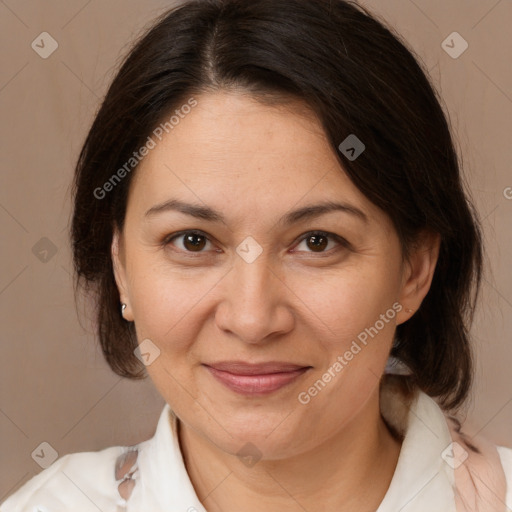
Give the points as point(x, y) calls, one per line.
point(255, 379)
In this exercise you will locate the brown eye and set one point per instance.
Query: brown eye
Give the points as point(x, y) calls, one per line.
point(317, 242)
point(188, 241)
point(194, 242)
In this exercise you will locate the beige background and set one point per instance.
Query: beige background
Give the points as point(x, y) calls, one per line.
point(55, 386)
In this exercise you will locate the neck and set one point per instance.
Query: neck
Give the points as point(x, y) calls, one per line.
point(332, 477)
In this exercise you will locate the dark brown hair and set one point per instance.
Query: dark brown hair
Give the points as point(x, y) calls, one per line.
point(359, 78)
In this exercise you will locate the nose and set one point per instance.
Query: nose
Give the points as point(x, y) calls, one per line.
point(255, 305)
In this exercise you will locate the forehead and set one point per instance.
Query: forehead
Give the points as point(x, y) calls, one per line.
point(231, 151)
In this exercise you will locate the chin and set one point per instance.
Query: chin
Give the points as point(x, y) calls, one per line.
point(271, 441)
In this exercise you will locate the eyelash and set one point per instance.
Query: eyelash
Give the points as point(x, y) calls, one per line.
point(331, 236)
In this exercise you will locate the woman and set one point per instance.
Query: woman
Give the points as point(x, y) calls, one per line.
point(269, 211)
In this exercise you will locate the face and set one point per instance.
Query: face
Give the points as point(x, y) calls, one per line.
point(255, 283)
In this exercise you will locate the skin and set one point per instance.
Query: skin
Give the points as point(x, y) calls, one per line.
point(294, 303)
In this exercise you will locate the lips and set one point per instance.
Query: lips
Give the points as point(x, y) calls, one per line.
point(255, 379)
point(243, 368)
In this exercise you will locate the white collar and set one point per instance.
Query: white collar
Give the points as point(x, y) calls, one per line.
point(422, 481)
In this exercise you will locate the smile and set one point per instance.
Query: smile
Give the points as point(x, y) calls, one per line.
point(252, 384)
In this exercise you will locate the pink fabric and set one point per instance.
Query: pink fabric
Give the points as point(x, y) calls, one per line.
point(125, 472)
point(480, 482)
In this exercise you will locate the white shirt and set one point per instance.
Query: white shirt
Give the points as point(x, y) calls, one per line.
point(85, 482)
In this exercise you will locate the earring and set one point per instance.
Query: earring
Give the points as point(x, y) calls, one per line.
point(123, 307)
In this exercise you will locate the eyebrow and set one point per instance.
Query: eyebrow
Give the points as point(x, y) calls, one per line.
point(301, 214)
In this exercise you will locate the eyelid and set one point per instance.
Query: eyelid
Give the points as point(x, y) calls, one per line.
point(332, 236)
point(168, 239)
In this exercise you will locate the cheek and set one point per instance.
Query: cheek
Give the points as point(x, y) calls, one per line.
point(356, 314)
point(168, 303)
point(346, 301)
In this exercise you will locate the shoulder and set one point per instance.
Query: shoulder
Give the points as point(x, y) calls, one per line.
point(81, 481)
point(506, 460)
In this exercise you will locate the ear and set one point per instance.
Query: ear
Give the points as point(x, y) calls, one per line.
point(418, 271)
point(119, 266)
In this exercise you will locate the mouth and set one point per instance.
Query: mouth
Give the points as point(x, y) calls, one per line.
point(255, 379)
